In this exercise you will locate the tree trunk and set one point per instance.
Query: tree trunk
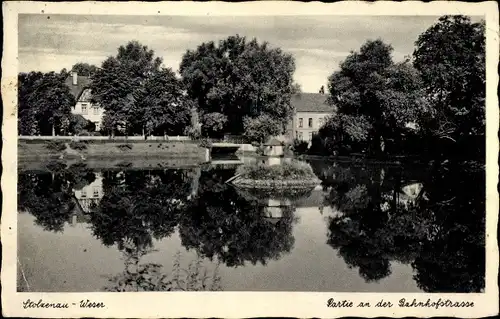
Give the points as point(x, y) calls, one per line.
point(53, 130)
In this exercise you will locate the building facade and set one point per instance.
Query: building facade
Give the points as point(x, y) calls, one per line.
point(311, 112)
point(79, 87)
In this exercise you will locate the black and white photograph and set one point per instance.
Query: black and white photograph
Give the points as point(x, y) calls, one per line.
point(320, 153)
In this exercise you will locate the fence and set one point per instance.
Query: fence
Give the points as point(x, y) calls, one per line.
point(104, 138)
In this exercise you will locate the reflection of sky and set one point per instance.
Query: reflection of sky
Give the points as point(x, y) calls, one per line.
point(318, 44)
point(76, 261)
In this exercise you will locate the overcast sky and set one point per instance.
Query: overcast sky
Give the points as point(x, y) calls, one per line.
point(318, 44)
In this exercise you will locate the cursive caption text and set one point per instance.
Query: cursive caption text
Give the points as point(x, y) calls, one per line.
point(402, 303)
point(27, 304)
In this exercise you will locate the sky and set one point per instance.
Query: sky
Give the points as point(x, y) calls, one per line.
point(318, 43)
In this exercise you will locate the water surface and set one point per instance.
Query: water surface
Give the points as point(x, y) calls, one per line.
point(367, 228)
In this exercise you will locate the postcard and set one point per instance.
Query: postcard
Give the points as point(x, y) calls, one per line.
point(254, 159)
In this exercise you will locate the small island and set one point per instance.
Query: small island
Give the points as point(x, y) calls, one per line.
point(275, 171)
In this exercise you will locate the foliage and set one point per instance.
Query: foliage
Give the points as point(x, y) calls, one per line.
point(240, 78)
point(79, 125)
point(212, 124)
point(138, 95)
point(78, 145)
point(300, 146)
point(162, 106)
point(206, 143)
point(124, 147)
point(84, 69)
point(292, 170)
point(139, 206)
point(440, 232)
point(44, 103)
point(375, 99)
point(218, 223)
point(57, 146)
point(49, 196)
point(451, 58)
point(260, 128)
point(149, 276)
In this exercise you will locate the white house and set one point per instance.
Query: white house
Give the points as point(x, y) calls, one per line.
point(79, 87)
point(89, 196)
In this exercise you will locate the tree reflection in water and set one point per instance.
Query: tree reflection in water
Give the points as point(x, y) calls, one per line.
point(48, 195)
point(440, 232)
point(219, 223)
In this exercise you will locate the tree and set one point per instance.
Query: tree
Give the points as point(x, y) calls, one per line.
point(213, 124)
point(451, 58)
point(119, 84)
point(260, 128)
point(240, 78)
point(84, 69)
point(44, 103)
point(163, 107)
point(375, 99)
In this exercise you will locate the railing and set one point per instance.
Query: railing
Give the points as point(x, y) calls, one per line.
point(103, 138)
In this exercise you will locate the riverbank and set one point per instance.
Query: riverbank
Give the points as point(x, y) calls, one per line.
point(123, 149)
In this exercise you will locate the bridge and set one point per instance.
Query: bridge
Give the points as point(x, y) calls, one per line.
point(225, 148)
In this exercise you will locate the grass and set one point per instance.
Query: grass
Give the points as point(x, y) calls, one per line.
point(293, 170)
point(126, 147)
point(78, 145)
point(57, 146)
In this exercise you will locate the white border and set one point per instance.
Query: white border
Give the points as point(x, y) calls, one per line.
point(239, 304)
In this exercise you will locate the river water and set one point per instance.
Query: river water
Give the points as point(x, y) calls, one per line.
point(366, 228)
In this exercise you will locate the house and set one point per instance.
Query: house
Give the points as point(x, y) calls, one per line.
point(311, 112)
point(79, 87)
point(89, 196)
point(273, 148)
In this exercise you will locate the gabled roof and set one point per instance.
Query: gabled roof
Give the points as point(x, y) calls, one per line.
point(81, 84)
point(311, 102)
point(273, 142)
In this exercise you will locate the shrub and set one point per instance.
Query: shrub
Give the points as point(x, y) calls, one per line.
point(78, 145)
point(292, 170)
point(299, 146)
point(206, 143)
point(124, 147)
point(57, 146)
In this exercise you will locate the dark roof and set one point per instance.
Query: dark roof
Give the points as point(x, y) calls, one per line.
point(311, 102)
point(273, 142)
point(82, 83)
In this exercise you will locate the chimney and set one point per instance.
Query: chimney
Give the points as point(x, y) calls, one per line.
point(75, 78)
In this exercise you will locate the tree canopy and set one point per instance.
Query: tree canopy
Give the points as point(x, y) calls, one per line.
point(450, 56)
point(238, 79)
point(84, 69)
point(375, 99)
point(138, 94)
point(44, 103)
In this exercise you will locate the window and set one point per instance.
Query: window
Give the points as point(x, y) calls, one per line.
point(84, 108)
point(96, 191)
point(300, 136)
point(84, 193)
point(310, 122)
point(301, 122)
point(96, 110)
point(310, 135)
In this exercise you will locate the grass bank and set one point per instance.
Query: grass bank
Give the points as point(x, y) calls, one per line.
point(43, 149)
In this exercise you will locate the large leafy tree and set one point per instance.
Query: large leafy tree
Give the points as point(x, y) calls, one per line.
point(163, 106)
point(239, 78)
point(375, 99)
point(139, 95)
point(84, 69)
point(44, 103)
point(451, 58)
